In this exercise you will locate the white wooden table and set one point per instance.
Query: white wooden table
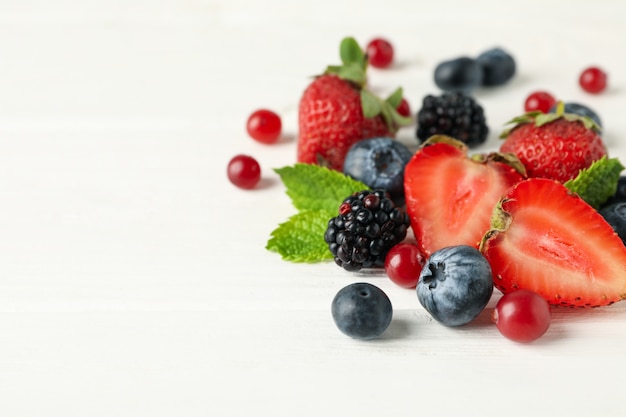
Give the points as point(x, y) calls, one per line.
point(133, 275)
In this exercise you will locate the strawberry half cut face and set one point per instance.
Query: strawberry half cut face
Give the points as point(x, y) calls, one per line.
point(449, 196)
point(548, 240)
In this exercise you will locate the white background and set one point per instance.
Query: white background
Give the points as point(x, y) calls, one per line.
point(133, 275)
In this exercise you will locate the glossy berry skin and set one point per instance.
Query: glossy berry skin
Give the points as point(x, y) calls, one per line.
point(379, 53)
point(264, 126)
point(403, 264)
point(593, 80)
point(539, 101)
point(579, 109)
point(522, 316)
point(615, 215)
point(498, 67)
point(330, 121)
point(367, 226)
point(244, 171)
point(459, 74)
point(557, 150)
point(455, 285)
point(361, 311)
point(378, 163)
point(454, 114)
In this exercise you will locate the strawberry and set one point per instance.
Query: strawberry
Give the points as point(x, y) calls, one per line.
point(547, 239)
point(554, 145)
point(450, 196)
point(336, 110)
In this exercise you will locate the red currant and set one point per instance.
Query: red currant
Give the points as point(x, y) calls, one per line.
point(593, 80)
point(539, 101)
point(403, 264)
point(404, 109)
point(522, 316)
point(380, 53)
point(244, 171)
point(264, 126)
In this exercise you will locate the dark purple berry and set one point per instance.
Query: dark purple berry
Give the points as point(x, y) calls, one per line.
point(361, 311)
point(361, 237)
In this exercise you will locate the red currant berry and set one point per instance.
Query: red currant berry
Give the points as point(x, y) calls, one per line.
point(244, 171)
point(522, 316)
point(593, 80)
point(379, 53)
point(539, 101)
point(264, 126)
point(403, 264)
point(404, 109)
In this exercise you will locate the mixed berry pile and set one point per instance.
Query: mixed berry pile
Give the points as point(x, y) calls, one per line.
point(543, 220)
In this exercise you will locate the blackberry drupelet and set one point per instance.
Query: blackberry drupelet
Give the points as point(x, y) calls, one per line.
point(453, 114)
point(368, 225)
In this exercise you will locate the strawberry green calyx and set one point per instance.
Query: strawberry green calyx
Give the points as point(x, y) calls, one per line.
point(373, 106)
point(507, 158)
point(597, 183)
point(539, 119)
point(447, 140)
point(353, 63)
point(500, 222)
point(353, 69)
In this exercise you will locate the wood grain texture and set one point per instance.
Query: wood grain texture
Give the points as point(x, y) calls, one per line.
point(133, 276)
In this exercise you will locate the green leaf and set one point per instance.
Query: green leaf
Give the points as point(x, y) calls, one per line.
point(598, 182)
point(351, 53)
point(301, 238)
point(395, 98)
point(313, 187)
point(370, 104)
point(351, 72)
point(545, 118)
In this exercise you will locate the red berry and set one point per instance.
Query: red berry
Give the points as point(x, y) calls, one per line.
point(264, 126)
point(539, 101)
point(380, 53)
point(244, 171)
point(404, 109)
point(522, 316)
point(403, 264)
point(593, 80)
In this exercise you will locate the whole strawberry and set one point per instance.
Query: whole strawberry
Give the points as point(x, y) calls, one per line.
point(554, 145)
point(336, 111)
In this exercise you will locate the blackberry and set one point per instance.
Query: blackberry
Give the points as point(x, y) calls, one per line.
point(453, 114)
point(368, 225)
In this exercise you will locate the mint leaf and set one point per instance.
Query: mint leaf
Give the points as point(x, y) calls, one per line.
point(301, 238)
point(314, 187)
point(598, 182)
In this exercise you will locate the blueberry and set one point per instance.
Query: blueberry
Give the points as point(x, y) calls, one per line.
point(620, 192)
point(455, 285)
point(379, 163)
point(615, 215)
point(362, 311)
point(459, 74)
point(498, 66)
point(580, 110)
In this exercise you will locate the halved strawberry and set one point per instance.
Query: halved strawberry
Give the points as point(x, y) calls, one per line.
point(546, 239)
point(450, 196)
